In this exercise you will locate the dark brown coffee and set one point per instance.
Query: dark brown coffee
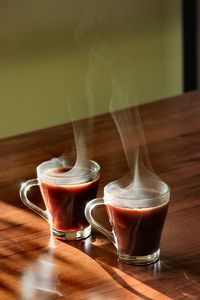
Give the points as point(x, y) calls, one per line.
point(66, 203)
point(138, 231)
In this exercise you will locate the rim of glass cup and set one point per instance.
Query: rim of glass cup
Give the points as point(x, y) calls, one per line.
point(59, 178)
point(162, 197)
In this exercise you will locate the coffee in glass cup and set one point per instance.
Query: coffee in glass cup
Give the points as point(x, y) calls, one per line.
point(137, 220)
point(65, 189)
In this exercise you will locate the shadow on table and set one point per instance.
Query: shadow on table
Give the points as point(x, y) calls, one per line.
point(153, 275)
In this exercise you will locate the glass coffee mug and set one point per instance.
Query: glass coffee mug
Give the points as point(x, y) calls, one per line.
point(65, 189)
point(137, 221)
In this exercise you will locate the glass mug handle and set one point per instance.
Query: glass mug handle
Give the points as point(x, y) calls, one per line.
point(88, 213)
point(25, 187)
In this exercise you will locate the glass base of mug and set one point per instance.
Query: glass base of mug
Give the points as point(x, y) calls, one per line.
point(72, 235)
point(139, 260)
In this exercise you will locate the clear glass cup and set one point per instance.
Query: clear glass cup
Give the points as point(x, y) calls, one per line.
point(137, 221)
point(65, 189)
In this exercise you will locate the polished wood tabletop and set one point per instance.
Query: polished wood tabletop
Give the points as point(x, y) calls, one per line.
point(36, 266)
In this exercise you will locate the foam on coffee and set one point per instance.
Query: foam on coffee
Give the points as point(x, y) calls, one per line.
point(71, 176)
point(59, 171)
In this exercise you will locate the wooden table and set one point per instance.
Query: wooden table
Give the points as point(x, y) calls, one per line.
point(31, 268)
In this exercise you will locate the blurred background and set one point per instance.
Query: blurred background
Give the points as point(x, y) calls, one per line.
point(59, 59)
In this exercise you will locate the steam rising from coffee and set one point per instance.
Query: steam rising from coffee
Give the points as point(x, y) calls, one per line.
point(95, 35)
point(107, 55)
point(90, 37)
point(141, 182)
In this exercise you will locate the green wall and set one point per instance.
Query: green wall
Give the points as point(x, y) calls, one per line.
point(63, 60)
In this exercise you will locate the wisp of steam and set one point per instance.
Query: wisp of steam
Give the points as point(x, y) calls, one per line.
point(94, 37)
point(141, 183)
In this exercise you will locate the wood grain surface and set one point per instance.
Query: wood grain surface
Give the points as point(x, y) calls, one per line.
point(33, 265)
